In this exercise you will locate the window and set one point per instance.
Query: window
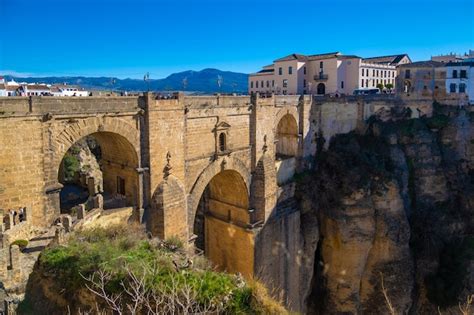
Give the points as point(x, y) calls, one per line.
point(120, 185)
point(273, 83)
point(222, 142)
point(452, 88)
point(256, 84)
point(373, 83)
point(385, 74)
point(280, 71)
point(462, 74)
point(373, 72)
point(342, 84)
point(268, 83)
point(455, 74)
point(320, 65)
point(262, 84)
point(285, 83)
point(304, 83)
point(362, 83)
point(407, 74)
point(462, 87)
point(377, 72)
point(362, 72)
point(304, 70)
point(251, 84)
point(366, 82)
point(290, 70)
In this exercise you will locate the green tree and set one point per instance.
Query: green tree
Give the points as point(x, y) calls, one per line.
point(380, 86)
point(389, 86)
point(71, 167)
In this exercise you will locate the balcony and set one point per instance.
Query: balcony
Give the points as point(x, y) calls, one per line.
point(320, 77)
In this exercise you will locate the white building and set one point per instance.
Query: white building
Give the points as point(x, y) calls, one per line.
point(68, 90)
point(34, 90)
point(330, 73)
point(8, 88)
point(460, 79)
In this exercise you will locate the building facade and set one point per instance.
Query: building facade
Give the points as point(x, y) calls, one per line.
point(460, 79)
point(422, 79)
point(329, 73)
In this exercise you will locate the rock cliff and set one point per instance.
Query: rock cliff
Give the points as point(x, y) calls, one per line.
point(394, 207)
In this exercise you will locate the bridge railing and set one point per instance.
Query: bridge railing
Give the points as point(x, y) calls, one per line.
point(67, 105)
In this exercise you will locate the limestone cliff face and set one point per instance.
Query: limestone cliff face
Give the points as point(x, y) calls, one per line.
point(389, 204)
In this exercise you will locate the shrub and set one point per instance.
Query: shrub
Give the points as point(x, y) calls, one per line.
point(445, 286)
point(437, 121)
point(21, 243)
point(71, 166)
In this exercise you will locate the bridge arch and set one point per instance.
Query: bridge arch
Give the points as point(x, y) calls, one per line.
point(220, 218)
point(118, 162)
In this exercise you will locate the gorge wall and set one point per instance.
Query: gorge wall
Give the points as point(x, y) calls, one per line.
point(393, 209)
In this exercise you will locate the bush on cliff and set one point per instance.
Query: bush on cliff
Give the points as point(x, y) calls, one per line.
point(114, 260)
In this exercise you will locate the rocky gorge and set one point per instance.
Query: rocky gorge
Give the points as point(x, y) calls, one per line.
point(394, 208)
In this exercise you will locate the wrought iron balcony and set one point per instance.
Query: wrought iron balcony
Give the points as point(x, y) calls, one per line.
point(320, 77)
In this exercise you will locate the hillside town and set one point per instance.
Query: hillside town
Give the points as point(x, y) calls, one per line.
point(13, 88)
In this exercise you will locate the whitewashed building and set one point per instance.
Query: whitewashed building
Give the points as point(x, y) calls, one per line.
point(329, 73)
point(460, 79)
point(34, 90)
point(68, 90)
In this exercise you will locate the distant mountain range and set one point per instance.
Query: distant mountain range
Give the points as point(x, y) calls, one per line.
point(204, 81)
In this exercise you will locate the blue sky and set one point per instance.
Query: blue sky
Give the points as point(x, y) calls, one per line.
point(126, 38)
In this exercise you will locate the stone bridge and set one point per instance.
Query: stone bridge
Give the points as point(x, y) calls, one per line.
point(216, 171)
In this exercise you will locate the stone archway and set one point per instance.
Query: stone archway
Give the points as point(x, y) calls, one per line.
point(231, 163)
point(221, 219)
point(286, 149)
point(119, 142)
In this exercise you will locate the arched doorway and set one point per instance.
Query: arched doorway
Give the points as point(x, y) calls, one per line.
point(286, 148)
point(221, 223)
point(407, 87)
point(321, 89)
point(99, 170)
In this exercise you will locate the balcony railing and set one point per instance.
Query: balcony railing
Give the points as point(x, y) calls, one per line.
point(321, 77)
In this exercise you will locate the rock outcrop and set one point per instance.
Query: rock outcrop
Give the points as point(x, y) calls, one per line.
point(389, 205)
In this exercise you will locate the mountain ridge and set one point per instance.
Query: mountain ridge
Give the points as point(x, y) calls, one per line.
point(206, 81)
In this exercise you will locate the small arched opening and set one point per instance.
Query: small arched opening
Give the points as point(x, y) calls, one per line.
point(321, 89)
point(222, 142)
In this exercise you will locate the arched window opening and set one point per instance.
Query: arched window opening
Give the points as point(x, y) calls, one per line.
point(321, 89)
point(222, 142)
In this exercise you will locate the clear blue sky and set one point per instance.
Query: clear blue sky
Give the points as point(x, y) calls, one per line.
point(126, 38)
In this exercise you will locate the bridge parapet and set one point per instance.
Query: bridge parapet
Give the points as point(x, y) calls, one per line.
point(281, 100)
point(197, 102)
point(67, 105)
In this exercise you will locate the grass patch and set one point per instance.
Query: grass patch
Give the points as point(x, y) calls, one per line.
point(116, 250)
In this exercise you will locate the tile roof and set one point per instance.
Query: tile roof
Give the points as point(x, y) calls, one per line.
point(37, 87)
point(423, 64)
point(393, 59)
point(324, 56)
point(298, 57)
